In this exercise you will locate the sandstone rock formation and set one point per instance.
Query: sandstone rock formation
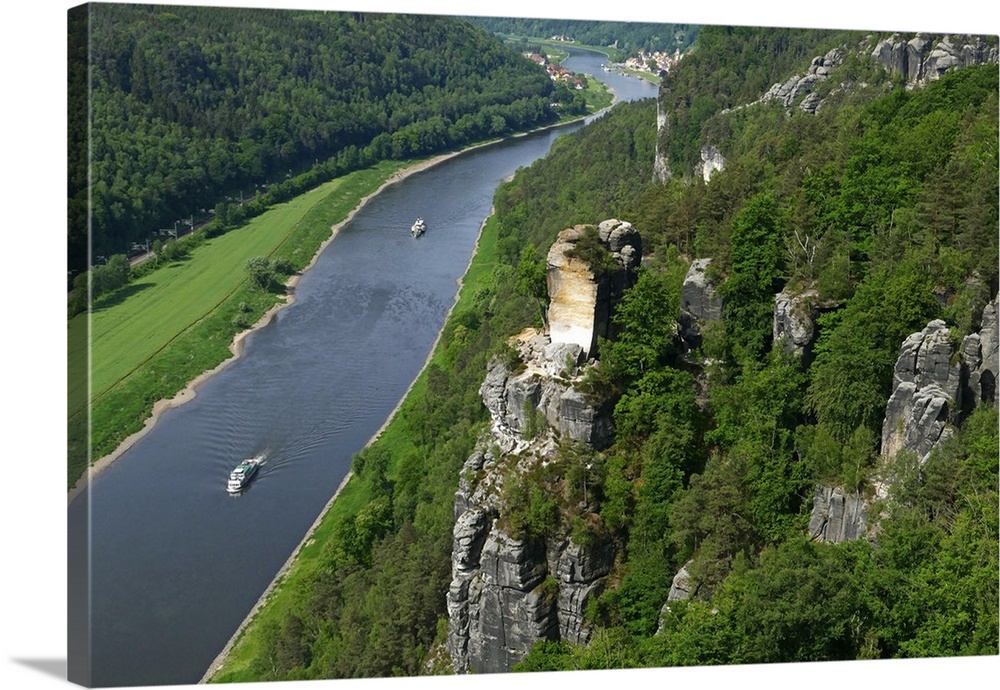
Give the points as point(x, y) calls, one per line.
point(794, 321)
point(981, 361)
point(510, 589)
point(920, 58)
point(661, 164)
point(699, 303)
point(800, 86)
point(935, 385)
point(682, 587)
point(581, 298)
point(712, 161)
point(926, 393)
point(544, 381)
point(923, 58)
point(838, 515)
point(506, 592)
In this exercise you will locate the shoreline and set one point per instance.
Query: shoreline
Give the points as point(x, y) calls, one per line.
point(189, 391)
point(219, 660)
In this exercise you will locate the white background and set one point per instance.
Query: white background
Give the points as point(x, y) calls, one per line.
point(33, 226)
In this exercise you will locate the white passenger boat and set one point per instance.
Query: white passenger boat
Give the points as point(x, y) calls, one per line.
point(418, 228)
point(243, 473)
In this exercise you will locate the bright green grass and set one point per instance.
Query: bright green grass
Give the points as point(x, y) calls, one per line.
point(597, 95)
point(151, 338)
point(236, 667)
point(166, 302)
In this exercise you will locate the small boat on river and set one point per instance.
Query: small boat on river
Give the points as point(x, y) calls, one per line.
point(243, 473)
point(418, 228)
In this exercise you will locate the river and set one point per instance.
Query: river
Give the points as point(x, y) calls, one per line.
point(177, 562)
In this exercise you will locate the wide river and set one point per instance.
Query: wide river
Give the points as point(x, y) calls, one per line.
point(177, 562)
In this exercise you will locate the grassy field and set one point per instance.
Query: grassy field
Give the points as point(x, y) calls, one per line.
point(151, 338)
point(355, 493)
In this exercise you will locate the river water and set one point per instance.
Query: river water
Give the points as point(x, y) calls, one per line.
point(176, 562)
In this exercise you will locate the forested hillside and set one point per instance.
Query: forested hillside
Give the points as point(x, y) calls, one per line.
point(190, 105)
point(883, 203)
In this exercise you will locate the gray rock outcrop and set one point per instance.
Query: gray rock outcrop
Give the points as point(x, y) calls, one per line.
point(711, 161)
point(926, 392)
point(511, 588)
point(682, 587)
point(507, 593)
point(838, 515)
point(799, 88)
point(931, 380)
point(981, 361)
point(935, 385)
point(661, 163)
point(794, 322)
point(919, 58)
point(699, 302)
point(543, 384)
point(924, 58)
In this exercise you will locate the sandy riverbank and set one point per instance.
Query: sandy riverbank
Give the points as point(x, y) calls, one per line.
point(220, 660)
point(189, 392)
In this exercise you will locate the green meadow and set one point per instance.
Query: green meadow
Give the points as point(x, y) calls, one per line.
point(152, 337)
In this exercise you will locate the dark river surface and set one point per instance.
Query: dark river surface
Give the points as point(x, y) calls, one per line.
point(177, 562)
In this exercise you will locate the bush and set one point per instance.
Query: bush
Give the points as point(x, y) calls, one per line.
point(261, 272)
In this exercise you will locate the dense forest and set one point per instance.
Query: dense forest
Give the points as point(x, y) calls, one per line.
point(190, 105)
point(717, 451)
point(626, 38)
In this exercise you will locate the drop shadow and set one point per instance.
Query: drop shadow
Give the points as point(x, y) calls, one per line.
point(57, 668)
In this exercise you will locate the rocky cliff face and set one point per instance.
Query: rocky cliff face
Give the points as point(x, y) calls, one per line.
point(542, 384)
point(794, 322)
point(838, 515)
point(923, 58)
point(925, 399)
point(699, 303)
point(581, 297)
point(661, 165)
point(981, 361)
point(511, 586)
point(936, 383)
point(920, 58)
